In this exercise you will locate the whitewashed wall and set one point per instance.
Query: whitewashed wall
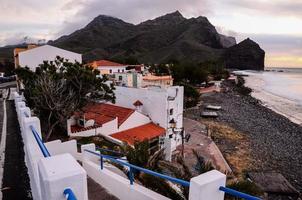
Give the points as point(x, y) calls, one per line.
point(34, 57)
point(50, 176)
point(135, 120)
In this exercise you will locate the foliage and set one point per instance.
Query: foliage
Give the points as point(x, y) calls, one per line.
point(58, 88)
point(191, 95)
point(160, 70)
point(138, 154)
point(7, 67)
point(202, 165)
point(241, 88)
point(244, 186)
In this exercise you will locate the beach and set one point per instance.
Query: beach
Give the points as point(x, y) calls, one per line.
point(274, 141)
point(279, 91)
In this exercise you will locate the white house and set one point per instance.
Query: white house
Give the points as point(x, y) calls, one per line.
point(116, 123)
point(33, 56)
point(108, 67)
point(127, 79)
point(164, 106)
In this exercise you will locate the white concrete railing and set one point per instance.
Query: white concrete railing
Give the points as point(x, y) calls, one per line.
point(47, 185)
point(49, 176)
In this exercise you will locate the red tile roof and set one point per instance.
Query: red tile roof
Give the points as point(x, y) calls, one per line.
point(140, 133)
point(76, 128)
point(105, 63)
point(103, 113)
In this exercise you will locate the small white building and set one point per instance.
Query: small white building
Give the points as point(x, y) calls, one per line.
point(164, 106)
point(116, 123)
point(108, 67)
point(35, 55)
point(160, 81)
point(128, 79)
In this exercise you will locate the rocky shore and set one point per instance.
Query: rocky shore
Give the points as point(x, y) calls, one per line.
point(274, 141)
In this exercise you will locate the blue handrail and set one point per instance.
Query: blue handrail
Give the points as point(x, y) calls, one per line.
point(69, 195)
point(40, 142)
point(101, 149)
point(67, 192)
point(238, 194)
point(147, 171)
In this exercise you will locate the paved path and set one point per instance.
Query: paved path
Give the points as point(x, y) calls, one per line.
point(203, 145)
point(15, 183)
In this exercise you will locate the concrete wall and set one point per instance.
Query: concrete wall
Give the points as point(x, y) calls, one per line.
point(49, 176)
point(116, 184)
point(34, 57)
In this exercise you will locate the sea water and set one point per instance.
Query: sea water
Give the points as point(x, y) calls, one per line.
point(279, 90)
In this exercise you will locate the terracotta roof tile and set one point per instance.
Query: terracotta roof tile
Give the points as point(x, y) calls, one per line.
point(105, 63)
point(140, 133)
point(106, 112)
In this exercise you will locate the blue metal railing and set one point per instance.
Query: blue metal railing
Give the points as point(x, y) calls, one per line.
point(69, 195)
point(40, 142)
point(238, 194)
point(169, 178)
point(102, 149)
point(134, 167)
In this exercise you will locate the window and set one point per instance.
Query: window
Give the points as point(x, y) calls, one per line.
point(120, 78)
point(123, 70)
point(171, 111)
point(110, 71)
point(118, 71)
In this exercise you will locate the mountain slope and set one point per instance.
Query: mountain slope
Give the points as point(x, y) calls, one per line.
point(169, 37)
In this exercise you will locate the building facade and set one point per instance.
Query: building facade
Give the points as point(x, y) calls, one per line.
point(108, 67)
point(164, 106)
point(33, 56)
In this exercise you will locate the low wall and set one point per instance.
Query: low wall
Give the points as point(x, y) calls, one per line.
point(116, 184)
point(49, 175)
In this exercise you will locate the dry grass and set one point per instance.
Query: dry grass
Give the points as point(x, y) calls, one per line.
point(234, 146)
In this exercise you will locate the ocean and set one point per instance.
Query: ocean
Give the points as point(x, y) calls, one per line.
point(279, 89)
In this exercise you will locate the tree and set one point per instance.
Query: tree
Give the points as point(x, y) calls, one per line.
point(59, 88)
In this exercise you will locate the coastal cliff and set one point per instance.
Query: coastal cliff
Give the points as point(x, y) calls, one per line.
point(245, 55)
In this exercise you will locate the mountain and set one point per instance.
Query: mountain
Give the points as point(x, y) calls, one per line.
point(160, 40)
point(245, 55)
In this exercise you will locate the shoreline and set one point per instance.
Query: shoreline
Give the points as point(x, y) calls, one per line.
point(278, 104)
point(273, 140)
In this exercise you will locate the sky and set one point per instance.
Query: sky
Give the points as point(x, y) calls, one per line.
point(275, 24)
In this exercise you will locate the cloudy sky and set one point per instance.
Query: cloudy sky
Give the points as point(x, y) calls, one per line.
point(275, 24)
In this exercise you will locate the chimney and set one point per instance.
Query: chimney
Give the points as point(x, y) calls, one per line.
point(138, 106)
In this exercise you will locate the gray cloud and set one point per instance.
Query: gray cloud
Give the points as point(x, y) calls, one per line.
point(273, 7)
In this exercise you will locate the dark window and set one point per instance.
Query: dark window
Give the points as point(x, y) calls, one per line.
point(110, 71)
point(118, 71)
point(171, 111)
point(120, 78)
point(123, 70)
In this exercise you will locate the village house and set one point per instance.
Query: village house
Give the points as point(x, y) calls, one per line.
point(164, 106)
point(127, 79)
point(108, 67)
point(116, 123)
point(160, 81)
point(33, 55)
